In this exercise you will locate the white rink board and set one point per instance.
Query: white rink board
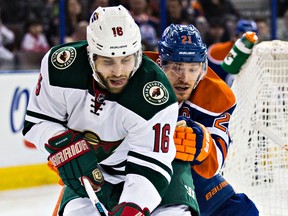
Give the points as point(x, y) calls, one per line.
point(16, 87)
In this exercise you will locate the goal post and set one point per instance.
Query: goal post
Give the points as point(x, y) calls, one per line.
point(257, 162)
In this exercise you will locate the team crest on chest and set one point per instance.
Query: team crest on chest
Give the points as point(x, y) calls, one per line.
point(155, 93)
point(62, 58)
point(91, 137)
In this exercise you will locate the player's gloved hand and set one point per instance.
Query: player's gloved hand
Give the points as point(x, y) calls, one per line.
point(74, 157)
point(54, 169)
point(129, 209)
point(193, 141)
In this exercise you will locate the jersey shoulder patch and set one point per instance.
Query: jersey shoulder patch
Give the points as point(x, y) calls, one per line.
point(213, 94)
point(69, 65)
point(148, 91)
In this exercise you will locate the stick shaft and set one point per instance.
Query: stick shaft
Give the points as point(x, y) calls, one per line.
point(270, 134)
point(92, 196)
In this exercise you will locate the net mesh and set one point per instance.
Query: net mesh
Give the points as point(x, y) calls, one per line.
point(256, 164)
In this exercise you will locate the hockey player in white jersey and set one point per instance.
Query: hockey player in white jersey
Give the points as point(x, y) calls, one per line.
point(102, 110)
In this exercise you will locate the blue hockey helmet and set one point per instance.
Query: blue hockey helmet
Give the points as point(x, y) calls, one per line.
point(244, 25)
point(182, 43)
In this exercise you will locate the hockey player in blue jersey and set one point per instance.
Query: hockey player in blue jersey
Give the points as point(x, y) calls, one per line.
point(205, 105)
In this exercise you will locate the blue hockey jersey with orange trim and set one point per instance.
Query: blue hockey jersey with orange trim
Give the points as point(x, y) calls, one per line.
point(212, 103)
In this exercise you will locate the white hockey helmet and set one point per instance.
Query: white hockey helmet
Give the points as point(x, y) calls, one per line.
point(112, 32)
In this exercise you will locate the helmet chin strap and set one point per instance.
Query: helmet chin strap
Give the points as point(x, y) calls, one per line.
point(202, 74)
point(98, 79)
point(197, 80)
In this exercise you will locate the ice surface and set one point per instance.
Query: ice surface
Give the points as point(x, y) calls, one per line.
point(36, 201)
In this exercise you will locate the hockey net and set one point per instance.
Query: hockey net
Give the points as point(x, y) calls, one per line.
point(257, 163)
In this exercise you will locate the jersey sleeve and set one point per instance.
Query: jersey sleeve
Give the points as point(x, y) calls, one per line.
point(212, 105)
point(149, 163)
point(218, 127)
point(45, 115)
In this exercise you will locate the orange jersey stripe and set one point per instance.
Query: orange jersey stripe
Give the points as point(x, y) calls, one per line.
point(209, 166)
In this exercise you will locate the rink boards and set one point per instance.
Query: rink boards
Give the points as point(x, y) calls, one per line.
point(21, 164)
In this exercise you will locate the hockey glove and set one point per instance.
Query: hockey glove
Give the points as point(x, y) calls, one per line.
point(193, 141)
point(74, 157)
point(129, 209)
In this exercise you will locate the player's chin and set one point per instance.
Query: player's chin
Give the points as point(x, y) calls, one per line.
point(182, 96)
point(115, 89)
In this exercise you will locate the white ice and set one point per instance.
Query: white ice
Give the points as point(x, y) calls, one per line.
point(36, 201)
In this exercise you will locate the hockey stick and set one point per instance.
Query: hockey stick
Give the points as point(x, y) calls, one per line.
point(92, 196)
point(271, 134)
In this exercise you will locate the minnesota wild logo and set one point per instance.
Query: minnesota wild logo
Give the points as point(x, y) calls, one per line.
point(62, 58)
point(155, 93)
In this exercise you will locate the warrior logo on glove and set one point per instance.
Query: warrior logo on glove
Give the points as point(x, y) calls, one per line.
point(74, 157)
point(68, 153)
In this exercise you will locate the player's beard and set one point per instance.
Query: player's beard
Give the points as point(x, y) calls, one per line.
point(183, 91)
point(114, 85)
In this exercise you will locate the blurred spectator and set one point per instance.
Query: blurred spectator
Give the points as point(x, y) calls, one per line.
point(263, 29)
point(13, 11)
point(34, 40)
point(176, 13)
point(212, 9)
point(216, 31)
point(93, 4)
point(79, 33)
point(283, 32)
point(6, 37)
point(196, 8)
point(282, 6)
point(202, 25)
point(49, 11)
point(149, 25)
point(74, 14)
point(154, 7)
point(230, 25)
point(125, 3)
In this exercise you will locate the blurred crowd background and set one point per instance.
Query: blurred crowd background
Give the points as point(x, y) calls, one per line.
point(28, 29)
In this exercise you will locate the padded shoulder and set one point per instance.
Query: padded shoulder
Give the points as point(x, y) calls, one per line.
point(148, 91)
point(69, 65)
point(213, 94)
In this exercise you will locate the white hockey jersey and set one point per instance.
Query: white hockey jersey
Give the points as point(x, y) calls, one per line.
point(131, 132)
